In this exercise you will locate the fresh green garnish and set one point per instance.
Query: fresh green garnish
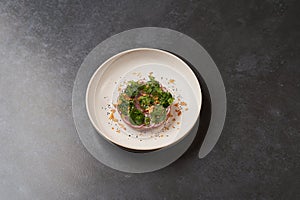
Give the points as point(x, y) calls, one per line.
point(153, 84)
point(159, 114)
point(123, 105)
point(146, 101)
point(132, 89)
point(147, 120)
point(166, 99)
point(136, 117)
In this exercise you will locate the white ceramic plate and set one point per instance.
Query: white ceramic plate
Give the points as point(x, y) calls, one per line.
point(135, 64)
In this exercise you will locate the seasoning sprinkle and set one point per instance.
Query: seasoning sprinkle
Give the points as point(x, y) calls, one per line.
point(183, 103)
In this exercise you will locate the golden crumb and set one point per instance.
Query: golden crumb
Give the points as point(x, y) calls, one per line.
point(179, 113)
point(171, 80)
point(183, 103)
point(112, 117)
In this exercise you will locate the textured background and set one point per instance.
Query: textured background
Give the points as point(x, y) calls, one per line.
point(255, 44)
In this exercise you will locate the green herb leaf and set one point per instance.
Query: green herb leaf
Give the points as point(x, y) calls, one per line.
point(136, 117)
point(166, 99)
point(123, 105)
point(145, 101)
point(147, 120)
point(159, 114)
point(132, 89)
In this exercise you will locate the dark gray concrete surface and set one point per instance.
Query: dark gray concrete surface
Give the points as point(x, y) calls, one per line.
point(255, 44)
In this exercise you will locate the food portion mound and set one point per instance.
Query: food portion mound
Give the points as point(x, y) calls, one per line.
point(144, 105)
